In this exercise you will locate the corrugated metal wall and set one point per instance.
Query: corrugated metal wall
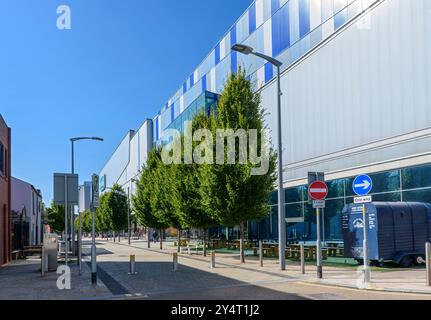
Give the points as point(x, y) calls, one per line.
point(364, 85)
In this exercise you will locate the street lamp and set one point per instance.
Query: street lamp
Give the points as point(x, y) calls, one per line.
point(72, 140)
point(281, 215)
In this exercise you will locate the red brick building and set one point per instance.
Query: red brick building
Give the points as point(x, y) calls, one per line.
point(5, 192)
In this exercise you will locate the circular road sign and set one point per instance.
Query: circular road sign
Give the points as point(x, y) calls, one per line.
point(362, 185)
point(318, 190)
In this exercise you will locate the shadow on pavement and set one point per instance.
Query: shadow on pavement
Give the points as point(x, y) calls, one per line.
point(157, 280)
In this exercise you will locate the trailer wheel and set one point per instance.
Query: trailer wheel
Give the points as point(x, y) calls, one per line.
point(407, 262)
point(419, 259)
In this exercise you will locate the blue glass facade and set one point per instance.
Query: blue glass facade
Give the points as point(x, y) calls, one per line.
point(283, 29)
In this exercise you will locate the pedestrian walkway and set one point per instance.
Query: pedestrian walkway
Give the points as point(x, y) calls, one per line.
point(22, 280)
point(156, 276)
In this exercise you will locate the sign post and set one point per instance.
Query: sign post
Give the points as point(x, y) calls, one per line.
point(94, 205)
point(318, 191)
point(66, 195)
point(362, 186)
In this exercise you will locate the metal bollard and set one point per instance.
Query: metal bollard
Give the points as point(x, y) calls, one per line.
point(188, 249)
point(196, 248)
point(132, 265)
point(428, 262)
point(175, 261)
point(42, 262)
point(302, 258)
point(212, 261)
point(261, 253)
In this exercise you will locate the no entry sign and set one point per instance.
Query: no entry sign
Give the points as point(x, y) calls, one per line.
point(318, 190)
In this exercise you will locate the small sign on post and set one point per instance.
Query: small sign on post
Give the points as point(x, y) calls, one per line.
point(362, 200)
point(362, 186)
point(318, 191)
point(95, 190)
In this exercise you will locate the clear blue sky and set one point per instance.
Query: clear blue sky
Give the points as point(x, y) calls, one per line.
point(103, 77)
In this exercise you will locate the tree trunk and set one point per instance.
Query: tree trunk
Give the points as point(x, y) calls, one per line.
point(119, 236)
point(205, 247)
point(241, 242)
point(179, 241)
point(113, 235)
point(149, 238)
point(161, 239)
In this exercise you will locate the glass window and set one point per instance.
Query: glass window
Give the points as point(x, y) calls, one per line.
point(310, 222)
point(294, 210)
point(390, 197)
point(294, 194)
point(417, 196)
point(336, 188)
point(417, 177)
point(382, 182)
point(332, 220)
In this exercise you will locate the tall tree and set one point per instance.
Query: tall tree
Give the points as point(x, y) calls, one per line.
point(56, 217)
point(113, 210)
point(161, 199)
point(143, 197)
point(230, 192)
point(186, 184)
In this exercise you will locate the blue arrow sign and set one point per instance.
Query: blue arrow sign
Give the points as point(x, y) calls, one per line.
point(362, 185)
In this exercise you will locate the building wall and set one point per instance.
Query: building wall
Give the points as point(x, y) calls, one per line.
point(5, 192)
point(84, 202)
point(24, 195)
point(129, 158)
point(361, 97)
point(355, 81)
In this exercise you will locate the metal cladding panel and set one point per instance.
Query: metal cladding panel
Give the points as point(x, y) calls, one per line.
point(118, 162)
point(363, 85)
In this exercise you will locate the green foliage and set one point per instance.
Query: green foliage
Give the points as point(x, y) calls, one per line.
point(87, 221)
point(144, 193)
point(230, 193)
point(201, 196)
point(56, 217)
point(186, 184)
point(161, 195)
point(113, 210)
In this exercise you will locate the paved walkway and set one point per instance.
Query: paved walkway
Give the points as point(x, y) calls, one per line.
point(194, 278)
point(156, 278)
point(21, 280)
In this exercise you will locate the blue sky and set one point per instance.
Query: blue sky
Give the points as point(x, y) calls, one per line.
point(118, 65)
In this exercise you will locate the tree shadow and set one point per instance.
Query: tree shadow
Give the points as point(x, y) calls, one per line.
point(158, 280)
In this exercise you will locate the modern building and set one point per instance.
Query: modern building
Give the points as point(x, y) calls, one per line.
point(355, 81)
point(5, 192)
point(28, 205)
point(84, 200)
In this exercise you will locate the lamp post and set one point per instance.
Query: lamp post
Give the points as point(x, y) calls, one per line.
point(281, 214)
point(72, 141)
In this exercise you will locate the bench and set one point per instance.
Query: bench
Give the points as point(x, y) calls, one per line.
point(16, 254)
point(32, 250)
